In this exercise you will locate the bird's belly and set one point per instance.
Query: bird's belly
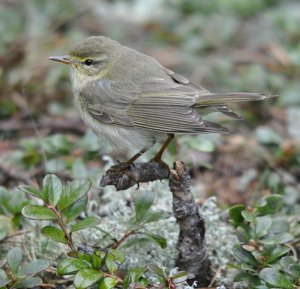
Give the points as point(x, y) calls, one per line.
point(121, 137)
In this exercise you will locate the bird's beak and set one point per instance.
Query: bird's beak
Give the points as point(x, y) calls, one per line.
point(63, 59)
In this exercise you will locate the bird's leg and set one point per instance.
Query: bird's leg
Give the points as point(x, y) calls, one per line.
point(125, 167)
point(157, 157)
point(136, 156)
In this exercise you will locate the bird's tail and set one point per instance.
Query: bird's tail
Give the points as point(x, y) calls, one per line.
point(209, 99)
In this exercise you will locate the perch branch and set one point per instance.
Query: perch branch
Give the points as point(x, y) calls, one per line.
point(124, 176)
point(193, 257)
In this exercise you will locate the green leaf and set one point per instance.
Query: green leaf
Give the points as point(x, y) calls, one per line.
point(113, 260)
point(278, 239)
point(31, 191)
point(86, 223)
point(137, 272)
point(143, 203)
point(294, 270)
point(3, 278)
point(74, 191)
point(96, 259)
point(52, 189)
point(248, 278)
point(55, 234)
point(287, 261)
point(119, 256)
point(243, 235)
point(72, 212)
point(235, 214)
point(290, 266)
point(108, 283)
point(136, 241)
point(277, 253)
point(279, 225)
point(33, 267)
point(180, 277)
point(154, 216)
point(110, 264)
point(157, 270)
point(244, 256)
point(36, 212)
point(86, 277)
point(275, 278)
point(262, 226)
point(14, 259)
point(161, 241)
point(12, 201)
point(71, 265)
point(248, 216)
point(270, 204)
point(28, 282)
point(133, 277)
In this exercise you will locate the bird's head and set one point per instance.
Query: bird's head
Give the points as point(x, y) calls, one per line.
point(91, 58)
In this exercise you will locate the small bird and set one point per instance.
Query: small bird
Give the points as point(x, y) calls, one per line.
point(132, 101)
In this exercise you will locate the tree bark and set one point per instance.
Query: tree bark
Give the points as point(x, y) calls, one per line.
point(124, 176)
point(193, 256)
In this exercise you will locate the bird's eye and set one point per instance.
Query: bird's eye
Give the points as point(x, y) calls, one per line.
point(88, 62)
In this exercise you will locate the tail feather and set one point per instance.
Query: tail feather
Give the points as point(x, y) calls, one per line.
point(227, 98)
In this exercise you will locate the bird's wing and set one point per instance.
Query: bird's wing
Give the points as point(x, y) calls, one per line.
point(106, 102)
point(168, 107)
point(158, 105)
point(178, 78)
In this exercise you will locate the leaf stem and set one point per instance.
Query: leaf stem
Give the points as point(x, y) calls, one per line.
point(117, 243)
point(63, 226)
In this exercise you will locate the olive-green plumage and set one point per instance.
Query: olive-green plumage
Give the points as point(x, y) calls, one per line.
point(132, 100)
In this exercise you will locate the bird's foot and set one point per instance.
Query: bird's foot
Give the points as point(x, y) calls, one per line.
point(125, 169)
point(157, 159)
point(122, 166)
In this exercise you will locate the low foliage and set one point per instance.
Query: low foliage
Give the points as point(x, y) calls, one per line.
point(18, 275)
point(11, 204)
point(263, 254)
point(63, 204)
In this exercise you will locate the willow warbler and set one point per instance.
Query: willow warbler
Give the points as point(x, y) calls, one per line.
point(132, 101)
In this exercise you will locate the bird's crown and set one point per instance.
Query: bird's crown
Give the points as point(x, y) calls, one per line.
point(94, 46)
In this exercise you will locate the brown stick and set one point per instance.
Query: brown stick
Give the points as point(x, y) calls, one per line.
point(193, 257)
point(124, 176)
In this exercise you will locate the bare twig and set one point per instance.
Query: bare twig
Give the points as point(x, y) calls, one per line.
point(117, 243)
point(193, 257)
point(124, 176)
point(23, 232)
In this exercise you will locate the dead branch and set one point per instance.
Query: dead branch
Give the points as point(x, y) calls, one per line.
point(124, 176)
point(193, 257)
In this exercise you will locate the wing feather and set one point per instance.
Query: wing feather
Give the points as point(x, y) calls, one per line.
point(158, 105)
point(168, 107)
point(184, 81)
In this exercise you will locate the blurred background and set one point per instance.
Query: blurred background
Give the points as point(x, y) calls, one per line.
point(223, 45)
